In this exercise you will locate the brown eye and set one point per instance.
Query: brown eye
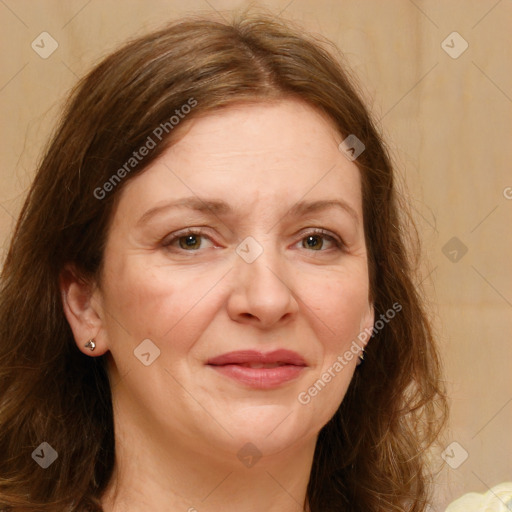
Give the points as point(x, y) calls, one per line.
point(190, 242)
point(314, 242)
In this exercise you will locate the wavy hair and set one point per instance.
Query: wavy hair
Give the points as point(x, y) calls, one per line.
point(371, 455)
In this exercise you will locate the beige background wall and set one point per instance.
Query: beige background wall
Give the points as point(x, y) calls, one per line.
point(448, 122)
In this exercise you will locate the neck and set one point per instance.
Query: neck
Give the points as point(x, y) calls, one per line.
point(155, 472)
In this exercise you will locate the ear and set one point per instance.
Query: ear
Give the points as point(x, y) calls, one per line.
point(367, 321)
point(82, 306)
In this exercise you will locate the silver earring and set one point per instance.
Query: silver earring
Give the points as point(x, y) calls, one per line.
point(90, 345)
point(361, 357)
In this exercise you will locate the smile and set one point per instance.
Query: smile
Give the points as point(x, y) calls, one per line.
point(257, 370)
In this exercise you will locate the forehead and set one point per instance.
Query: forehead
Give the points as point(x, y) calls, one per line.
point(256, 155)
point(258, 130)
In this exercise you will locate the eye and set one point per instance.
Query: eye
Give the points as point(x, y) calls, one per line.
point(187, 240)
point(192, 240)
point(317, 239)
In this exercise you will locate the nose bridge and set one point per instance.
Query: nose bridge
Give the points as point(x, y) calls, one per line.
point(259, 262)
point(262, 287)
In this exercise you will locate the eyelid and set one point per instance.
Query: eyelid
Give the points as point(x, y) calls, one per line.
point(337, 240)
point(172, 237)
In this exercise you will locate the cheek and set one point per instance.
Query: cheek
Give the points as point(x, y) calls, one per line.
point(158, 302)
point(339, 302)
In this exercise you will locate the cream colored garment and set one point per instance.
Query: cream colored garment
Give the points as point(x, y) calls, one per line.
point(497, 499)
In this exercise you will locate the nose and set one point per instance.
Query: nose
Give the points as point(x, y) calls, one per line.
point(262, 292)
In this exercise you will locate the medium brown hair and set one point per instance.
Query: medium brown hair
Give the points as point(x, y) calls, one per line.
point(371, 455)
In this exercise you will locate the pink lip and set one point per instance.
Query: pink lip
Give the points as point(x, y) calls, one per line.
point(253, 356)
point(231, 365)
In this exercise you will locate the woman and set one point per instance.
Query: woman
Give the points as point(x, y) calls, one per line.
point(208, 303)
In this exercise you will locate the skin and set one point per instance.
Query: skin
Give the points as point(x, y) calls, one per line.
point(179, 424)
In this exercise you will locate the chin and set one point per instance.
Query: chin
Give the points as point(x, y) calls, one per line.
point(270, 432)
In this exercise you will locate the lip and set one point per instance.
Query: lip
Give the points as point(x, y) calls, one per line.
point(231, 365)
point(254, 356)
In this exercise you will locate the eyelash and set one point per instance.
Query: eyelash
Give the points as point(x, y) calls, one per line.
point(339, 245)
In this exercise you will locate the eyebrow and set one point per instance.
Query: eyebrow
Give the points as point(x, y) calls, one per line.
point(216, 207)
point(219, 207)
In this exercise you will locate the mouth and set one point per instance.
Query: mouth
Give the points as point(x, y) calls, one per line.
point(253, 357)
point(257, 370)
point(260, 365)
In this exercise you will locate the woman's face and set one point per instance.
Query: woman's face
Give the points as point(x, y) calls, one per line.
point(276, 261)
